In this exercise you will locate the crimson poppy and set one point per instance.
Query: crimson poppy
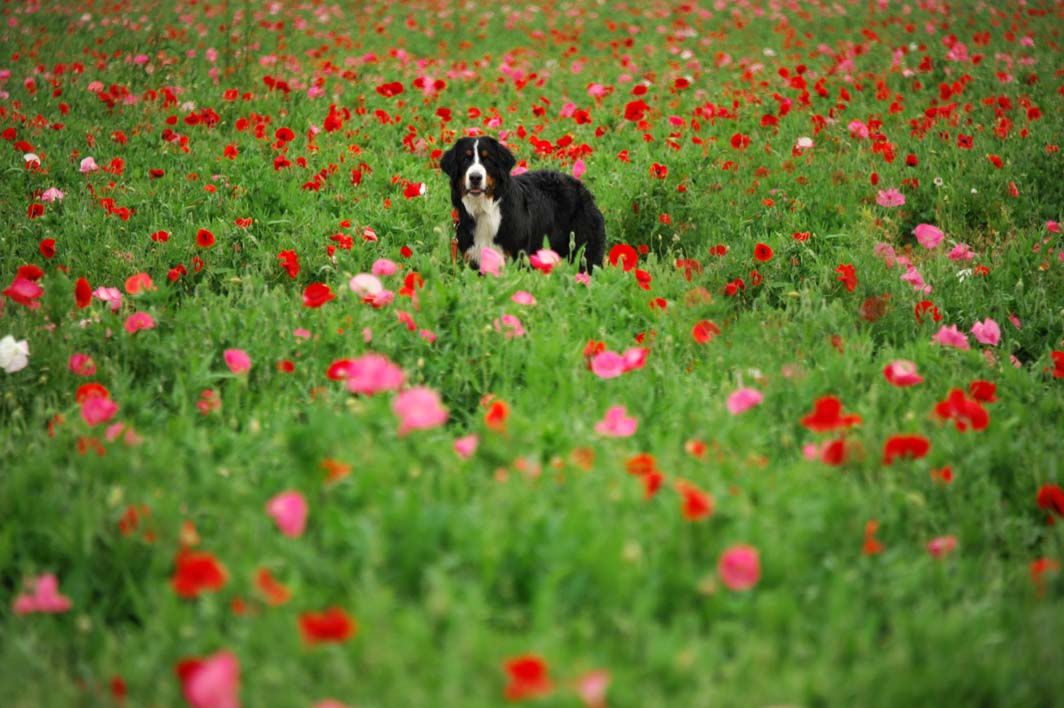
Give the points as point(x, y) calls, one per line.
point(290, 262)
point(983, 391)
point(82, 293)
point(763, 252)
point(704, 331)
point(527, 678)
point(847, 275)
point(197, 572)
point(696, 504)
point(204, 238)
point(625, 255)
point(827, 415)
point(965, 412)
point(1051, 498)
point(275, 593)
point(498, 413)
point(317, 294)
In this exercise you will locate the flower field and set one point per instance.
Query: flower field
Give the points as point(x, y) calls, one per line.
point(264, 440)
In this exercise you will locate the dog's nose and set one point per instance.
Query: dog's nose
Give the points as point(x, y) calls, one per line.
point(475, 179)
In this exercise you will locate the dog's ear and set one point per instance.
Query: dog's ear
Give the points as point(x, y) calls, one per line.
point(449, 162)
point(506, 158)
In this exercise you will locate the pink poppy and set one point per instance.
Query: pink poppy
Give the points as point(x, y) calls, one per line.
point(913, 278)
point(213, 682)
point(607, 365)
point(890, 198)
point(383, 266)
point(466, 445)
point(987, 332)
point(82, 365)
point(366, 285)
point(523, 297)
point(617, 423)
point(371, 374)
point(942, 546)
point(579, 169)
point(902, 373)
point(961, 252)
point(634, 358)
point(743, 400)
point(112, 296)
point(510, 326)
point(951, 337)
point(419, 408)
point(238, 361)
point(88, 165)
point(138, 321)
point(739, 567)
point(929, 236)
point(544, 259)
point(98, 410)
point(490, 261)
point(592, 686)
point(43, 596)
point(289, 512)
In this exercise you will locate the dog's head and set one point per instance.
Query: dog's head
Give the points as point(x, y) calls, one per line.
point(478, 167)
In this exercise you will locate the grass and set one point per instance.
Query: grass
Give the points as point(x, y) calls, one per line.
point(541, 543)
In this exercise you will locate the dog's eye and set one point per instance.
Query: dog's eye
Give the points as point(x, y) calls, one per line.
point(469, 153)
point(484, 153)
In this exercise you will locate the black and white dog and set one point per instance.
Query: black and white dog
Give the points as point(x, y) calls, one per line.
point(513, 213)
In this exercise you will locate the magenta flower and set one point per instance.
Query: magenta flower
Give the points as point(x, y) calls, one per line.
point(886, 252)
point(419, 408)
point(490, 261)
point(214, 682)
point(373, 373)
point(43, 596)
point(544, 259)
point(238, 361)
point(634, 358)
point(52, 195)
point(98, 410)
point(987, 332)
point(743, 400)
point(607, 365)
point(929, 236)
point(890, 198)
point(951, 337)
point(579, 169)
point(289, 512)
point(739, 567)
point(523, 297)
point(138, 321)
point(961, 252)
point(82, 365)
point(617, 423)
point(383, 266)
point(913, 278)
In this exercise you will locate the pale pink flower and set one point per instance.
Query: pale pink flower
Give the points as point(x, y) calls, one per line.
point(597, 90)
point(82, 365)
point(43, 596)
point(961, 252)
point(617, 423)
point(130, 438)
point(890, 198)
point(987, 332)
point(428, 335)
point(365, 285)
point(951, 337)
point(98, 410)
point(858, 129)
point(901, 373)
point(743, 400)
point(329, 703)
point(509, 325)
point(88, 165)
point(579, 169)
point(739, 567)
point(301, 333)
point(112, 296)
point(523, 297)
point(289, 512)
point(583, 278)
point(381, 299)
point(608, 365)
point(138, 321)
point(371, 374)
point(490, 261)
point(419, 408)
point(544, 259)
point(942, 546)
point(886, 252)
point(52, 194)
point(913, 278)
point(383, 266)
point(591, 687)
point(466, 445)
point(929, 236)
point(214, 683)
point(237, 360)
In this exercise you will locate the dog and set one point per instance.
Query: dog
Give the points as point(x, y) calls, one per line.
point(513, 213)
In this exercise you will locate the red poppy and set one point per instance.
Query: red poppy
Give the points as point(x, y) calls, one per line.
point(763, 252)
point(1039, 568)
point(642, 278)
point(834, 452)
point(827, 415)
point(704, 331)
point(696, 504)
point(905, 446)
point(1051, 498)
point(592, 349)
point(527, 678)
point(964, 142)
point(47, 247)
point(659, 171)
point(91, 390)
point(690, 267)
point(847, 275)
point(317, 294)
point(29, 272)
point(1058, 364)
point(636, 110)
point(160, 236)
point(625, 255)
point(290, 262)
point(641, 463)
point(498, 413)
point(944, 475)
point(983, 391)
point(275, 593)
point(24, 292)
point(928, 307)
point(197, 572)
point(82, 293)
point(331, 625)
point(284, 134)
point(995, 161)
point(652, 483)
point(963, 411)
point(204, 238)
point(34, 210)
point(740, 141)
point(871, 546)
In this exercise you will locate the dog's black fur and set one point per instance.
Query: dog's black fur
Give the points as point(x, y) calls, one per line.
point(527, 207)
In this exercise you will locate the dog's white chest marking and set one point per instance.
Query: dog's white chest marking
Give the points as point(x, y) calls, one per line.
point(484, 210)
